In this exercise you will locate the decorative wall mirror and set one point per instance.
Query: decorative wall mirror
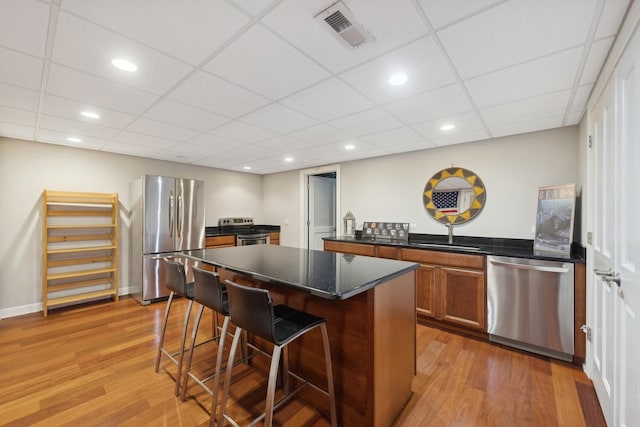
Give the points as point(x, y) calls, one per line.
point(454, 196)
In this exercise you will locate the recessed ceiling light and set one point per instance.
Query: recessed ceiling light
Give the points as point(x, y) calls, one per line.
point(74, 139)
point(398, 79)
point(447, 127)
point(288, 159)
point(124, 64)
point(349, 147)
point(248, 168)
point(90, 115)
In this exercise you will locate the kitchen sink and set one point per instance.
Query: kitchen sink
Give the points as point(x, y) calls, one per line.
point(447, 246)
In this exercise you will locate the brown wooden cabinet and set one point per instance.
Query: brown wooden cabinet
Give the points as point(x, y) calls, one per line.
point(451, 289)
point(350, 248)
point(223, 241)
point(274, 238)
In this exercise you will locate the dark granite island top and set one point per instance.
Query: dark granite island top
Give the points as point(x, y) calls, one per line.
point(370, 308)
point(325, 274)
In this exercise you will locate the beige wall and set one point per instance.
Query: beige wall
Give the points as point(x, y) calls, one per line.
point(390, 188)
point(27, 168)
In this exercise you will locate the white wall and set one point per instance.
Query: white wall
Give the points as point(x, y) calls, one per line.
point(27, 168)
point(390, 188)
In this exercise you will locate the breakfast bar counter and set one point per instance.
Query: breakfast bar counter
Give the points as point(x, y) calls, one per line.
point(369, 305)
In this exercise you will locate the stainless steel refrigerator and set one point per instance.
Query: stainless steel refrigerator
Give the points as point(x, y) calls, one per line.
point(167, 216)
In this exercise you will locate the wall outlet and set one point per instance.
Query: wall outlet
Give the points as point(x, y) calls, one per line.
point(286, 221)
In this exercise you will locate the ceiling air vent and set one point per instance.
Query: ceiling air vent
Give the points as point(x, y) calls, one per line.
point(339, 20)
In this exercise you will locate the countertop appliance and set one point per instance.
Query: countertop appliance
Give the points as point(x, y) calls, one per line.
point(530, 305)
point(245, 232)
point(167, 216)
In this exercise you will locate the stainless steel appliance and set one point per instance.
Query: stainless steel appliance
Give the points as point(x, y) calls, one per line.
point(530, 305)
point(167, 215)
point(246, 234)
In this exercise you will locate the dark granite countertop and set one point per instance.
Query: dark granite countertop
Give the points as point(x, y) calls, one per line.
point(326, 274)
point(521, 248)
point(234, 229)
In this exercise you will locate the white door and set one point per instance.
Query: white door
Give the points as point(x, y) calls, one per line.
point(322, 211)
point(603, 297)
point(615, 129)
point(627, 248)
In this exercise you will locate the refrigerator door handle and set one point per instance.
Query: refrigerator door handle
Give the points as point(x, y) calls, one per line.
point(171, 214)
point(180, 215)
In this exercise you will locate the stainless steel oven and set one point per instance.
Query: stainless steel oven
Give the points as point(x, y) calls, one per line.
point(246, 233)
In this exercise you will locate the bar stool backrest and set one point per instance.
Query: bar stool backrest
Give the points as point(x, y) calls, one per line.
point(251, 309)
point(209, 291)
point(176, 278)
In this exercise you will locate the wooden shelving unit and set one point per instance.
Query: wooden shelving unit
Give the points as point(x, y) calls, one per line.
point(79, 247)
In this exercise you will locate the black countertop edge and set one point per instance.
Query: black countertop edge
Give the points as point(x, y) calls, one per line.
point(231, 229)
point(522, 248)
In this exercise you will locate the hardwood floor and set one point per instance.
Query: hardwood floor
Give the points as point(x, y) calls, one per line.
point(93, 365)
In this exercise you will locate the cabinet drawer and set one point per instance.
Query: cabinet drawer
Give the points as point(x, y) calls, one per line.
point(390, 252)
point(350, 248)
point(443, 258)
point(220, 241)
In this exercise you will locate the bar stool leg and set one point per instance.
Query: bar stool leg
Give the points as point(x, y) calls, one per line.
point(329, 366)
point(216, 383)
point(182, 341)
point(164, 330)
point(227, 379)
point(194, 334)
point(271, 387)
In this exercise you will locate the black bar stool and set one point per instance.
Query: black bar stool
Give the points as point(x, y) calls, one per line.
point(176, 281)
point(252, 309)
point(210, 293)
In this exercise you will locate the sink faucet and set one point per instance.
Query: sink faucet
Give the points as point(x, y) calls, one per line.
point(450, 227)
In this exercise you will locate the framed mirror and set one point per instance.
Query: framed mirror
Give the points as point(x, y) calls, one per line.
point(454, 196)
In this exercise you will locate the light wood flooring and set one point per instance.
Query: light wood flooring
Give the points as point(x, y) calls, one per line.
point(93, 365)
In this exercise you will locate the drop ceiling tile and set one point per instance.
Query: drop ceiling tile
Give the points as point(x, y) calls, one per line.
point(216, 95)
point(20, 69)
point(440, 103)
point(514, 32)
point(367, 122)
point(464, 123)
point(161, 130)
point(19, 97)
point(574, 118)
point(278, 118)
point(359, 146)
point(581, 97)
point(190, 31)
point(169, 111)
point(254, 7)
point(18, 117)
point(597, 55)
point(328, 100)
point(219, 143)
point(23, 25)
point(76, 127)
point(239, 131)
point(392, 24)
point(73, 84)
point(60, 138)
point(526, 110)
point(70, 109)
point(12, 130)
point(321, 134)
point(284, 144)
point(459, 138)
point(129, 149)
point(411, 146)
point(90, 48)
point(420, 61)
point(249, 154)
point(611, 18)
point(149, 141)
point(541, 123)
point(314, 154)
point(393, 137)
point(259, 49)
point(549, 74)
point(184, 153)
point(441, 13)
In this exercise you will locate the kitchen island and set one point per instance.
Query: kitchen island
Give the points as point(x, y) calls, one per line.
point(369, 305)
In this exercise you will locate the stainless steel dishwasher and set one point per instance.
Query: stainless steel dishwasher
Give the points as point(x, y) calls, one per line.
point(530, 305)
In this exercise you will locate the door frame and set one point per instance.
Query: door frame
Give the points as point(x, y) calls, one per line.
point(304, 197)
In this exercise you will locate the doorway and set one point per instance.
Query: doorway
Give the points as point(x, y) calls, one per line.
point(321, 205)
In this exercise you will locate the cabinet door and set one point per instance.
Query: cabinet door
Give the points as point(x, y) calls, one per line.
point(426, 291)
point(350, 248)
point(462, 297)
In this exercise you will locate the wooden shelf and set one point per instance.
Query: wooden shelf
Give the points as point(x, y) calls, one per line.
point(80, 241)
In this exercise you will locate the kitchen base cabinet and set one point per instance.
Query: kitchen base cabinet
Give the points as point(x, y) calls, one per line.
point(274, 238)
point(462, 296)
point(350, 248)
point(426, 291)
point(223, 241)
